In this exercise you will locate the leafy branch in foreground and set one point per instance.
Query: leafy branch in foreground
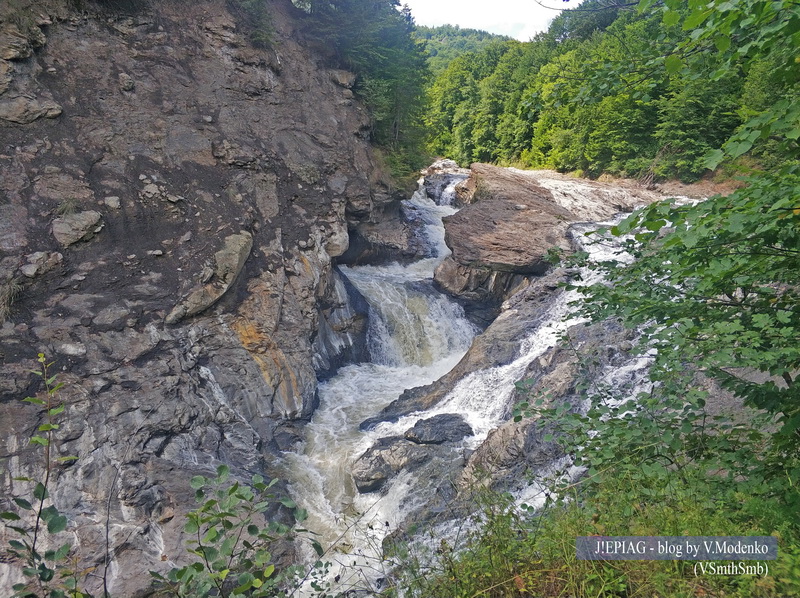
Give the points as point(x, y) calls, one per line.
point(232, 541)
point(48, 571)
point(719, 290)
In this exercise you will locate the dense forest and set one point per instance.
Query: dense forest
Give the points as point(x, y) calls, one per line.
point(447, 42)
point(605, 91)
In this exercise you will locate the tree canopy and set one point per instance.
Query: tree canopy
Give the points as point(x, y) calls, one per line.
point(641, 93)
point(373, 39)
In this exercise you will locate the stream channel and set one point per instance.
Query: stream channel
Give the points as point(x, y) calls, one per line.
point(415, 335)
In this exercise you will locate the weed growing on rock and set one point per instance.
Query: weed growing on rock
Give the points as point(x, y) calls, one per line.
point(232, 542)
point(256, 21)
point(47, 569)
point(9, 291)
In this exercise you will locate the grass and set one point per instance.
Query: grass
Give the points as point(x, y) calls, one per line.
point(9, 291)
point(517, 552)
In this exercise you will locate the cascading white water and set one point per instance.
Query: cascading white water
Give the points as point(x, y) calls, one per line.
point(415, 336)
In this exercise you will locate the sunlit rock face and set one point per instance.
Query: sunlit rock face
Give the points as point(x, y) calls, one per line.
point(171, 200)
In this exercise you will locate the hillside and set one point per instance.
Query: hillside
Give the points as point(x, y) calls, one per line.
point(447, 42)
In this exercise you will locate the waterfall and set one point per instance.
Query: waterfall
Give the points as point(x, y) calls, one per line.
point(415, 336)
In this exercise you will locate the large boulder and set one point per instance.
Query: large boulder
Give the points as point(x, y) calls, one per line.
point(72, 228)
point(445, 427)
point(514, 219)
point(228, 262)
point(384, 459)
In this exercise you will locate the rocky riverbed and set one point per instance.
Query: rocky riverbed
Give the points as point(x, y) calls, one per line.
point(173, 207)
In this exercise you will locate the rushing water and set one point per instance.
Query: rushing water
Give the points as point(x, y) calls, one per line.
point(415, 336)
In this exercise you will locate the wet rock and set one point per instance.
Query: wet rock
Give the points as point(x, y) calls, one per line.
point(507, 455)
point(445, 427)
point(387, 457)
point(71, 228)
point(442, 180)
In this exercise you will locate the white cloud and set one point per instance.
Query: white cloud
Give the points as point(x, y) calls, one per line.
point(521, 19)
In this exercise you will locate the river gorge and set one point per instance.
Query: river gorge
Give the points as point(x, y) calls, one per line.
point(199, 236)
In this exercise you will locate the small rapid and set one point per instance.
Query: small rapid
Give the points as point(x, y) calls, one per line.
point(415, 336)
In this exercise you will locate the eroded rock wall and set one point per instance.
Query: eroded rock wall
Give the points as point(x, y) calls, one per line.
point(171, 200)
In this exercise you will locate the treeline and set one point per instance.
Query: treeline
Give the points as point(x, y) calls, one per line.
point(599, 92)
point(447, 42)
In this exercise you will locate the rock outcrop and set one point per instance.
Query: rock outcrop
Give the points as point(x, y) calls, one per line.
point(445, 427)
point(409, 452)
point(171, 204)
point(514, 218)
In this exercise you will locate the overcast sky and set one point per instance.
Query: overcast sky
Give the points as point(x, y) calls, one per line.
point(521, 19)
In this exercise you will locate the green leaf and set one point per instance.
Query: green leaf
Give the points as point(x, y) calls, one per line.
point(197, 482)
point(722, 42)
point(210, 536)
point(9, 516)
point(62, 552)
point(644, 6)
point(695, 19)
point(23, 504)
point(191, 527)
point(673, 64)
point(317, 547)
point(736, 149)
point(223, 473)
point(40, 440)
point(245, 581)
point(671, 18)
point(40, 492)
point(713, 158)
point(57, 524)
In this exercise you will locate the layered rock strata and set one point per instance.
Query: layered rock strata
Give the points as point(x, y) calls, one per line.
point(171, 202)
point(501, 239)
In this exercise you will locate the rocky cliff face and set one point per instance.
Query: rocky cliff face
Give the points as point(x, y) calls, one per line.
point(171, 200)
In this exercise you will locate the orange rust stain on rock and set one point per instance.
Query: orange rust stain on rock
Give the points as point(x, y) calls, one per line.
point(271, 361)
point(249, 334)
